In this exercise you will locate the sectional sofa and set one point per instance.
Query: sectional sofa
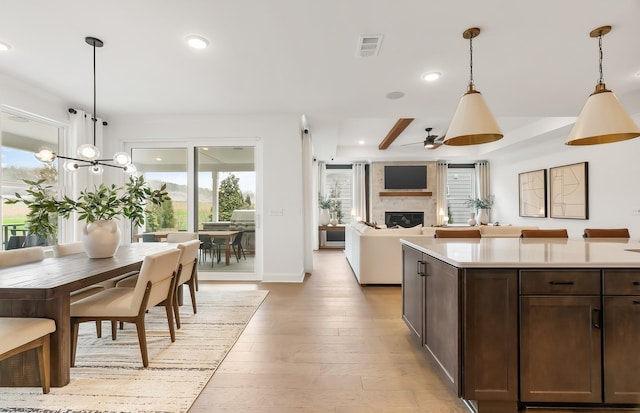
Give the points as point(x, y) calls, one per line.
point(375, 255)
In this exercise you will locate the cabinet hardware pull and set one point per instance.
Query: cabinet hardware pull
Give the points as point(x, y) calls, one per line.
point(561, 282)
point(636, 283)
point(636, 302)
point(596, 318)
point(422, 270)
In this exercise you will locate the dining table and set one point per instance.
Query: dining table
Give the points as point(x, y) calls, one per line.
point(43, 289)
point(227, 236)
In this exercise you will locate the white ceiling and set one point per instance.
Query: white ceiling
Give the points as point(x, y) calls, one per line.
point(534, 62)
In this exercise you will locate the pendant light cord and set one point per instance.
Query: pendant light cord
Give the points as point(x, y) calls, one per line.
point(471, 62)
point(95, 115)
point(601, 80)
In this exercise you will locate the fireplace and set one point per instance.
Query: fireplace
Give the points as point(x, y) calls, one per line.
point(403, 219)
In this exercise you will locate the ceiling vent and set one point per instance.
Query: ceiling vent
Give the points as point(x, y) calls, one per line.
point(369, 45)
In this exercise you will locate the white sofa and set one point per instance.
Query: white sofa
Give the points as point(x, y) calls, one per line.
point(375, 255)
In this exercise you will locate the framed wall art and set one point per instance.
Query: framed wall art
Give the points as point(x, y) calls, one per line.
point(533, 193)
point(568, 191)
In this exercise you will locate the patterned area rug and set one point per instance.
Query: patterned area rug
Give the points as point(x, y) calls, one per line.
point(109, 376)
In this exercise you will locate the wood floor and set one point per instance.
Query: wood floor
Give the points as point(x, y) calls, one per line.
point(326, 345)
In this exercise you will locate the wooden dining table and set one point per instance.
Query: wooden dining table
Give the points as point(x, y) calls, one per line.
point(227, 236)
point(43, 289)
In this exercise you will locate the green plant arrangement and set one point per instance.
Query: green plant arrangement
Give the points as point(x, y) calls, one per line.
point(102, 203)
point(480, 203)
point(324, 202)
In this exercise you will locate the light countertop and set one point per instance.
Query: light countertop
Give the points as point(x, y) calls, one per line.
point(532, 252)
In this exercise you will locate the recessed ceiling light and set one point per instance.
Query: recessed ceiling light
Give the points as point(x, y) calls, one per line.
point(158, 159)
point(431, 76)
point(197, 42)
point(4, 47)
point(395, 95)
point(361, 142)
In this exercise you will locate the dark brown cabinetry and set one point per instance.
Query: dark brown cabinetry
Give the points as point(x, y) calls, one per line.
point(413, 291)
point(560, 336)
point(621, 336)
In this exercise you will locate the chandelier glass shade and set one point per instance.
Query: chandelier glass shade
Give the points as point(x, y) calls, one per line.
point(88, 155)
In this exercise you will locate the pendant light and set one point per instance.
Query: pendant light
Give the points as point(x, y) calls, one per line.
point(88, 154)
point(603, 119)
point(472, 122)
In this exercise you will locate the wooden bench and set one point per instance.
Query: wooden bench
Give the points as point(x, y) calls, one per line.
point(22, 334)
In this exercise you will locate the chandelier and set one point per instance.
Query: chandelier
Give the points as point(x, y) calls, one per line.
point(89, 155)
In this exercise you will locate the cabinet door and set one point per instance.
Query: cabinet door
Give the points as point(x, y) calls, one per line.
point(490, 327)
point(621, 345)
point(560, 344)
point(413, 290)
point(442, 318)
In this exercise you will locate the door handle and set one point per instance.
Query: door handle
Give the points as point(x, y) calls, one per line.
point(595, 318)
point(421, 269)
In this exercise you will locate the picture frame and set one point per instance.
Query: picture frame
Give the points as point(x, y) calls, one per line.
point(532, 187)
point(569, 191)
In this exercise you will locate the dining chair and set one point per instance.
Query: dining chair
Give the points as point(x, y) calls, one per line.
point(20, 256)
point(236, 245)
point(22, 334)
point(155, 284)
point(544, 233)
point(188, 268)
point(185, 274)
point(149, 238)
point(181, 236)
point(463, 233)
point(206, 246)
point(16, 242)
point(606, 233)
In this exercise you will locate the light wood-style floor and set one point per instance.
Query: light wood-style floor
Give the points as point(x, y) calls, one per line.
point(326, 345)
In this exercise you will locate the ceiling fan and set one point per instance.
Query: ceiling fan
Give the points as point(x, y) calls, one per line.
point(430, 141)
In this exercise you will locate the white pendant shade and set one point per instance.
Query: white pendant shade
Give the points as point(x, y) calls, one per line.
point(603, 120)
point(472, 122)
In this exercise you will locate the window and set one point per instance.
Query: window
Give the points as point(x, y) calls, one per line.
point(338, 181)
point(21, 137)
point(460, 187)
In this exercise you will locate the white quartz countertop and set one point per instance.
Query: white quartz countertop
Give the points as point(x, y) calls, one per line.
point(531, 252)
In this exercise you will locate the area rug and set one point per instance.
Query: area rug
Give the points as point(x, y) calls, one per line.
point(109, 376)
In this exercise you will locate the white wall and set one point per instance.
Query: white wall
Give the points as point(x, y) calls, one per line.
point(614, 182)
point(32, 99)
point(280, 185)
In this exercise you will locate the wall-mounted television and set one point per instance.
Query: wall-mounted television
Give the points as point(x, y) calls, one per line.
point(405, 177)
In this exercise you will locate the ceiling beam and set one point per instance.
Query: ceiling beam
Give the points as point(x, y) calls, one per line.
point(395, 131)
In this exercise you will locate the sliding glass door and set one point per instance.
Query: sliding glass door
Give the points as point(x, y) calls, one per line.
point(213, 192)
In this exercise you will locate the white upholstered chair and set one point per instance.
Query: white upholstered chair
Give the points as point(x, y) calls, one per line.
point(185, 274)
point(181, 236)
point(21, 256)
point(155, 284)
point(22, 334)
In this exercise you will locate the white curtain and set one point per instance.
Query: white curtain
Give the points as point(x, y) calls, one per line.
point(441, 191)
point(80, 132)
point(359, 195)
point(482, 179)
point(309, 203)
point(321, 170)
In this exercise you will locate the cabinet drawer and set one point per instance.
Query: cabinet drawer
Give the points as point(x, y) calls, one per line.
point(560, 282)
point(621, 282)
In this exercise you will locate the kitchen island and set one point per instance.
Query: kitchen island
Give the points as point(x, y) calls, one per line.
point(519, 324)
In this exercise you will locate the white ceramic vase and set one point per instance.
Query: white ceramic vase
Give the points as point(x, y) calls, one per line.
point(324, 217)
point(483, 216)
point(101, 239)
point(472, 219)
point(334, 219)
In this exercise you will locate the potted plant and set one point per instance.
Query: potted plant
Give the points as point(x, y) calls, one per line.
point(98, 208)
point(324, 203)
point(482, 206)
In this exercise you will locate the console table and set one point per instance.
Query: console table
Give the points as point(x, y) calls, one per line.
point(328, 228)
